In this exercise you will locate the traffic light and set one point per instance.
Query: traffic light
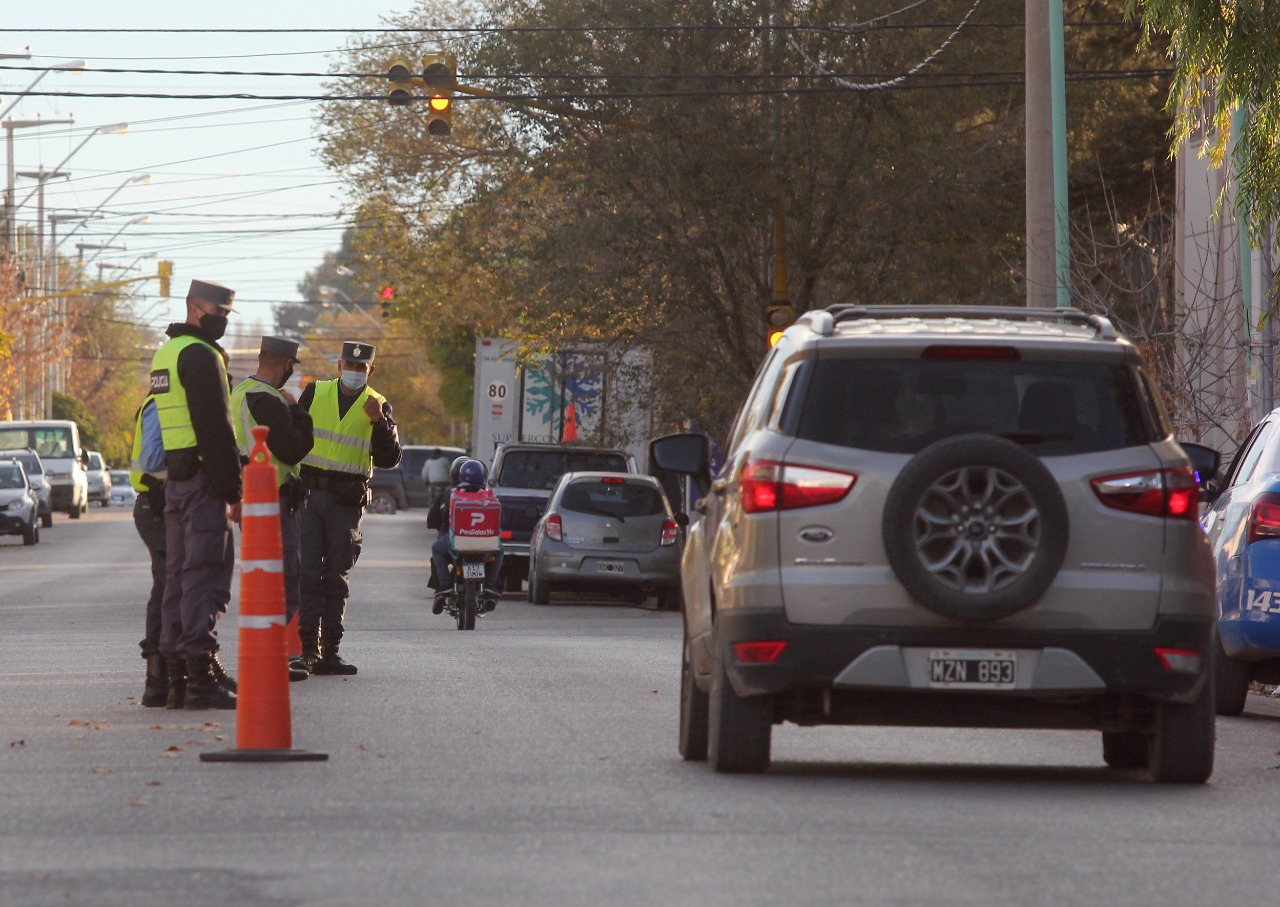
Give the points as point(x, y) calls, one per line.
point(439, 76)
point(777, 318)
point(386, 294)
point(164, 270)
point(401, 78)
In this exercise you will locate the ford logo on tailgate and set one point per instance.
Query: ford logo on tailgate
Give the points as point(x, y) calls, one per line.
point(816, 534)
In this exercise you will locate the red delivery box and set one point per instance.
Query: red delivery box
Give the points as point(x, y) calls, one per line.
point(475, 520)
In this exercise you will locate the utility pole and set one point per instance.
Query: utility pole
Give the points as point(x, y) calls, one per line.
point(45, 331)
point(10, 209)
point(1041, 239)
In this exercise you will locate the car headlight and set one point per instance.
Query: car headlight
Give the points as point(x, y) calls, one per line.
point(16, 505)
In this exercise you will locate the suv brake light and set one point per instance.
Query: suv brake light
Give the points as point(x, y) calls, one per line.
point(768, 485)
point(1171, 493)
point(970, 352)
point(669, 530)
point(1264, 517)
point(555, 528)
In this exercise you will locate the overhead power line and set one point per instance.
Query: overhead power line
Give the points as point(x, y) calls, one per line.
point(1087, 76)
point(529, 29)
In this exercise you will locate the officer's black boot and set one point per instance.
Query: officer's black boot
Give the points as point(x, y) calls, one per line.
point(310, 650)
point(297, 671)
point(224, 680)
point(177, 669)
point(203, 691)
point(331, 662)
point(155, 692)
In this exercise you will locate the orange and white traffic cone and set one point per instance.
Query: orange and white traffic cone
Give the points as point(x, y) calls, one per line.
point(263, 731)
point(569, 432)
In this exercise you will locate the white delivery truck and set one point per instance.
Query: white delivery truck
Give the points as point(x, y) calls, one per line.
point(57, 441)
point(609, 391)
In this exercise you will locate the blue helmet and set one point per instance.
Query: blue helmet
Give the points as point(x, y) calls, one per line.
point(472, 472)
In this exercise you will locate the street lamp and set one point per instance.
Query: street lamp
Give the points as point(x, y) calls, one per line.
point(107, 245)
point(355, 306)
point(113, 129)
point(9, 126)
point(67, 66)
point(141, 178)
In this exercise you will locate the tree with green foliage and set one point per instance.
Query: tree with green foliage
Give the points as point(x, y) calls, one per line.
point(1226, 57)
point(646, 217)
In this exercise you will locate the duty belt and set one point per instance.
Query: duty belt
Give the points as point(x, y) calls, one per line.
point(311, 480)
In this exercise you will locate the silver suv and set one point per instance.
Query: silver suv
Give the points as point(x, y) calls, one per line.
point(955, 517)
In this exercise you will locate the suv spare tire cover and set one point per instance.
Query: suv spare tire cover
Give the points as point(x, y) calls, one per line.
point(975, 527)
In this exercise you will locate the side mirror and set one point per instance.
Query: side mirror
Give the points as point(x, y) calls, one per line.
point(682, 454)
point(1204, 460)
point(84, 457)
point(682, 520)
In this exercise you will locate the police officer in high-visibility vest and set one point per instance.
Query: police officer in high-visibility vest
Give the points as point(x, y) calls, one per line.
point(148, 520)
point(354, 433)
point(261, 400)
point(202, 492)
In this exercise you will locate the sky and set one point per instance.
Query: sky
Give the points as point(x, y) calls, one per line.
point(236, 191)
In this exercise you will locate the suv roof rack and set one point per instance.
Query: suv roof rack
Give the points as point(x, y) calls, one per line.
point(1101, 325)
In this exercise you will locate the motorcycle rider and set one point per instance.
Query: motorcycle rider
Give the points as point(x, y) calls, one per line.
point(438, 519)
point(470, 476)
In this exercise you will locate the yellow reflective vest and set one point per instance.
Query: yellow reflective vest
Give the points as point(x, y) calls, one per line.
point(343, 444)
point(243, 422)
point(171, 396)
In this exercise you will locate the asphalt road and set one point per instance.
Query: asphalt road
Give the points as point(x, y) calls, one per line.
point(533, 762)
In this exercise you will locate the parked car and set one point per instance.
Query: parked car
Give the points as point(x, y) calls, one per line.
point(36, 473)
point(19, 506)
point(99, 479)
point(122, 490)
point(522, 476)
point(955, 517)
point(607, 532)
point(1243, 525)
point(404, 486)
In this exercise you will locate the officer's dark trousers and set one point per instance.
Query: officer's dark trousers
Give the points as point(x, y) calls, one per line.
point(152, 532)
point(199, 565)
point(291, 548)
point(331, 541)
point(291, 556)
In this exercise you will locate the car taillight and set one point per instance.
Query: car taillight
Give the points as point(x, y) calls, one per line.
point(669, 530)
point(767, 485)
point(1171, 493)
point(1187, 660)
point(758, 652)
point(555, 528)
point(1264, 517)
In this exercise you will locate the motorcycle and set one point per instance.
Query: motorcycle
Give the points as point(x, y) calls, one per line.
point(466, 600)
point(474, 541)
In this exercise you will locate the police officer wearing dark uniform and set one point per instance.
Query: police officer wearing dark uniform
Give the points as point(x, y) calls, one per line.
point(202, 493)
point(148, 519)
point(354, 432)
point(261, 400)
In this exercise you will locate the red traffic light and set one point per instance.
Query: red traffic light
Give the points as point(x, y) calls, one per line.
point(387, 293)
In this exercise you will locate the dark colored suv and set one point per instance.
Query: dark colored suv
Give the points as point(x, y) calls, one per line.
point(523, 476)
point(937, 516)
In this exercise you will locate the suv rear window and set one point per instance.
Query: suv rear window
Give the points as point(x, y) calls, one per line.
point(613, 499)
point(904, 405)
point(543, 468)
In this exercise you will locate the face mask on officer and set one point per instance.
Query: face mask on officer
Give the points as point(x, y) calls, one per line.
point(213, 325)
point(284, 379)
point(353, 380)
